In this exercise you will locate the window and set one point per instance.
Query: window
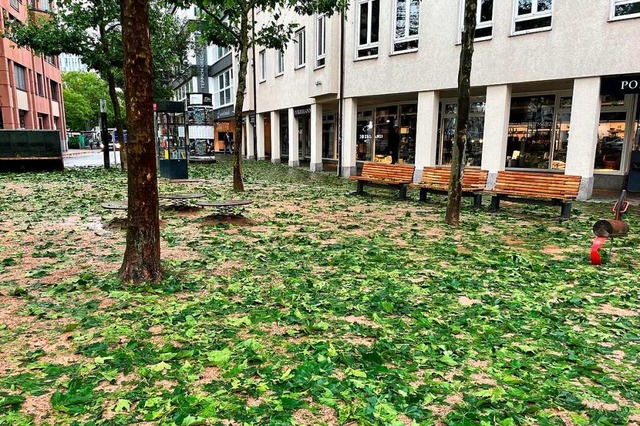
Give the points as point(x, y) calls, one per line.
point(621, 9)
point(615, 131)
point(223, 89)
point(367, 13)
point(22, 117)
point(532, 15)
point(45, 5)
point(475, 133)
point(321, 40)
point(301, 52)
point(279, 62)
point(407, 14)
point(484, 21)
point(54, 91)
point(15, 4)
point(221, 52)
point(21, 82)
point(539, 131)
point(263, 66)
point(39, 85)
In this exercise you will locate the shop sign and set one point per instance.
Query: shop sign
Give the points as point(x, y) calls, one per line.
point(303, 111)
point(201, 65)
point(621, 85)
point(224, 113)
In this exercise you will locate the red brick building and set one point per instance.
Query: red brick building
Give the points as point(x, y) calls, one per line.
point(30, 85)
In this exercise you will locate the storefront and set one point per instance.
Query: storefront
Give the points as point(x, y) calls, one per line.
point(447, 132)
point(387, 134)
point(225, 127)
point(303, 116)
point(329, 134)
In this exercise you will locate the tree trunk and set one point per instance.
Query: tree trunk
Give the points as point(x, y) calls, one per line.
point(462, 120)
point(242, 84)
point(142, 255)
point(117, 117)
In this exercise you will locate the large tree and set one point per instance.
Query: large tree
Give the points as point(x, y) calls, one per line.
point(462, 119)
point(142, 256)
point(230, 23)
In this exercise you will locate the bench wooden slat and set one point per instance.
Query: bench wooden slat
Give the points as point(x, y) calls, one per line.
point(384, 174)
point(536, 185)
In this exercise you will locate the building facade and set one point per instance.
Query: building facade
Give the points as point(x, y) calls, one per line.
point(69, 62)
point(554, 88)
point(30, 85)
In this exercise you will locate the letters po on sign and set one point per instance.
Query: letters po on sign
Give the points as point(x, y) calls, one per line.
point(629, 85)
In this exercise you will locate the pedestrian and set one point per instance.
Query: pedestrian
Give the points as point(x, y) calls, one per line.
point(227, 143)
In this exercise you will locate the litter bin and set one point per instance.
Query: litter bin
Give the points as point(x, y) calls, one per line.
point(633, 184)
point(81, 141)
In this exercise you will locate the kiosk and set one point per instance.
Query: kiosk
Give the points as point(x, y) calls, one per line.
point(171, 146)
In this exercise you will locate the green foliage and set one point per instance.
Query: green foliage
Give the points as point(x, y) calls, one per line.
point(92, 31)
point(82, 94)
point(318, 307)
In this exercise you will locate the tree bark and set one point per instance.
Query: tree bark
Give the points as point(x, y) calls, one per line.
point(462, 120)
point(142, 255)
point(242, 84)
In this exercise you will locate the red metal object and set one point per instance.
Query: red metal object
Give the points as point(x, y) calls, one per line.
point(595, 247)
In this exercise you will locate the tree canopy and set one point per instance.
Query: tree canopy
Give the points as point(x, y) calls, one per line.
point(82, 94)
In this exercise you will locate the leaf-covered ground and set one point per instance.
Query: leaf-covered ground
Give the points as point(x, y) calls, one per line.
point(318, 308)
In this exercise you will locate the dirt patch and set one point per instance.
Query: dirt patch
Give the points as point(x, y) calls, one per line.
point(617, 312)
point(483, 379)
point(599, 405)
point(320, 415)
point(208, 375)
point(353, 319)
point(465, 301)
point(37, 406)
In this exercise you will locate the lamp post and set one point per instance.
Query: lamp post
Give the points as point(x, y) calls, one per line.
point(104, 133)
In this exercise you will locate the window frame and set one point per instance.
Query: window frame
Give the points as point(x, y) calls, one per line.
point(321, 41)
point(479, 25)
point(55, 94)
point(20, 77)
point(300, 40)
point(227, 77)
point(369, 45)
point(279, 62)
point(531, 16)
point(406, 38)
point(40, 85)
point(262, 60)
point(614, 3)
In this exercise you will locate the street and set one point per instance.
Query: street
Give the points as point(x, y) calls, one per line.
point(86, 158)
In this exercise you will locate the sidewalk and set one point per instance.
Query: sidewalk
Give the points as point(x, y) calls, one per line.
point(74, 152)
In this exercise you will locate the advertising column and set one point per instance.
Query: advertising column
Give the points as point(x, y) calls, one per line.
point(200, 128)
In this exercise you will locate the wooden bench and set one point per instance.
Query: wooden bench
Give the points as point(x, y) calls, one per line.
point(537, 188)
point(396, 176)
point(435, 179)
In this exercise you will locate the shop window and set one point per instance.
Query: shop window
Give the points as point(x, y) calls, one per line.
point(561, 134)
point(531, 133)
point(407, 23)
point(223, 89)
point(615, 129)
point(364, 136)
point(263, 66)
point(473, 153)
point(367, 14)
point(484, 19)
point(407, 130)
point(21, 82)
point(622, 9)
point(532, 15)
point(284, 134)
point(329, 136)
point(321, 40)
point(301, 52)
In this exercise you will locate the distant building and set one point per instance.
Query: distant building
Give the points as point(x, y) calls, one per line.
point(30, 85)
point(71, 63)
